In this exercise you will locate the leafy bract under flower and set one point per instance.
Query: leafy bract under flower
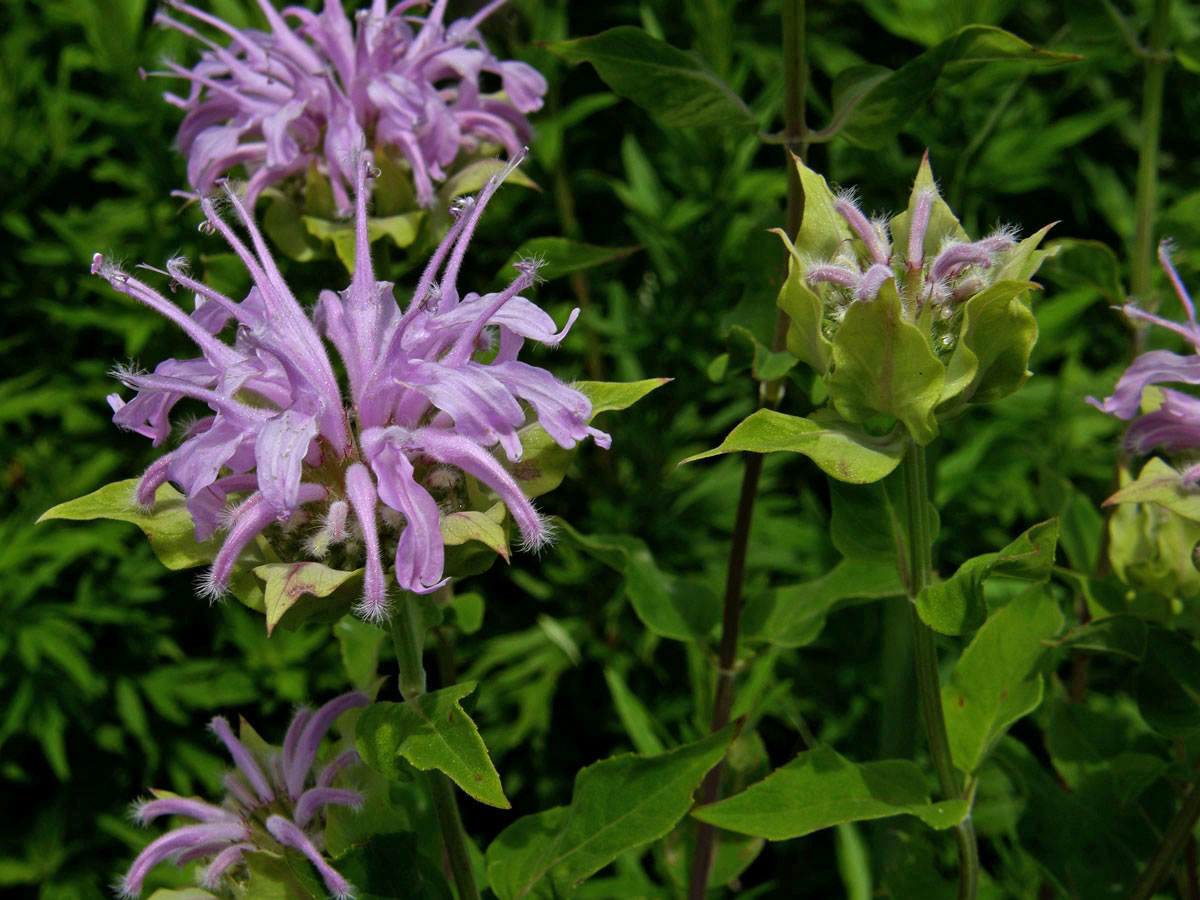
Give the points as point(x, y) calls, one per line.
point(280, 791)
point(363, 470)
point(314, 89)
point(907, 319)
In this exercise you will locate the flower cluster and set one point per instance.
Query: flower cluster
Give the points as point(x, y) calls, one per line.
point(278, 101)
point(279, 449)
point(269, 803)
point(1174, 426)
point(941, 280)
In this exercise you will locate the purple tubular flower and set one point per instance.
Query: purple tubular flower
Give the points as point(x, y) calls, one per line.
point(310, 739)
point(290, 836)
point(309, 91)
point(295, 816)
point(1175, 425)
point(285, 444)
point(872, 281)
point(916, 231)
point(863, 227)
point(176, 842)
point(837, 275)
point(312, 800)
point(243, 758)
point(955, 258)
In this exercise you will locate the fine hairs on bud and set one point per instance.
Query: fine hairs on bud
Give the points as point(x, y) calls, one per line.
point(208, 589)
point(542, 537)
point(126, 373)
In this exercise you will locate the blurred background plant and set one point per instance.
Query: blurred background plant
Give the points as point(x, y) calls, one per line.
point(110, 666)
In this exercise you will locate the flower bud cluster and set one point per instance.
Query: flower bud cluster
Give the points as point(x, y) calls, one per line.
point(932, 282)
point(270, 803)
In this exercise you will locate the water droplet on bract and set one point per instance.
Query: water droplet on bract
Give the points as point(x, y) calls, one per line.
point(947, 312)
point(947, 340)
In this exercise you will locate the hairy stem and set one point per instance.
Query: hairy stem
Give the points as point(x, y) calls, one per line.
point(919, 569)
point(408, 637)
point(1156, 63)
point(795, 76)
point(1176, 836)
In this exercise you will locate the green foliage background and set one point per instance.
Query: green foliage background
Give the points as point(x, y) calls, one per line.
point(110, 666)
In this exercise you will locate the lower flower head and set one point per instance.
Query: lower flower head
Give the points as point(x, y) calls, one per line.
point(272, 801)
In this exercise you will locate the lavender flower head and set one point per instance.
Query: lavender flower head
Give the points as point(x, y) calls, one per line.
point(1175, 425)
point(269, 803)
point(941, 278)
point(368, 471)
point(314, 90)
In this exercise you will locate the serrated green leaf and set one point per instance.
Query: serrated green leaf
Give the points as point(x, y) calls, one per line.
point(1168, 684)
point(673, 607)
point(391, 867)
point(820, 788)
point(617, 804)
point(431, 731)
point(957, 606)
point(676, 87)
point(871, 108)
point(1122, 634)
point(636, 719)
point(794, 616)
point(997, 679)
point(884, 365)
point(299, 592)
point(167, 525)
point(842, 450)
point(543, 463)
point(359, 644)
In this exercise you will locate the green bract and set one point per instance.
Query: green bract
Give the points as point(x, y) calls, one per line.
point(905, 320)
point(908, 318)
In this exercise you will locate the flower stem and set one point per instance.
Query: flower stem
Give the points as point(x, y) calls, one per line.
point(770, 395)
point(1156, 61)
point(453, 836)
point(1164, 857)
point(408, 637)
point(916, 574)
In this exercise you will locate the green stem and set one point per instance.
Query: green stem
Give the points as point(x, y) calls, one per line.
point(409, 640)
point(770, 395)
point(916, 574)
point(1178, 833)
point(408, 637)
point(453, 835)
point(1156, 63)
